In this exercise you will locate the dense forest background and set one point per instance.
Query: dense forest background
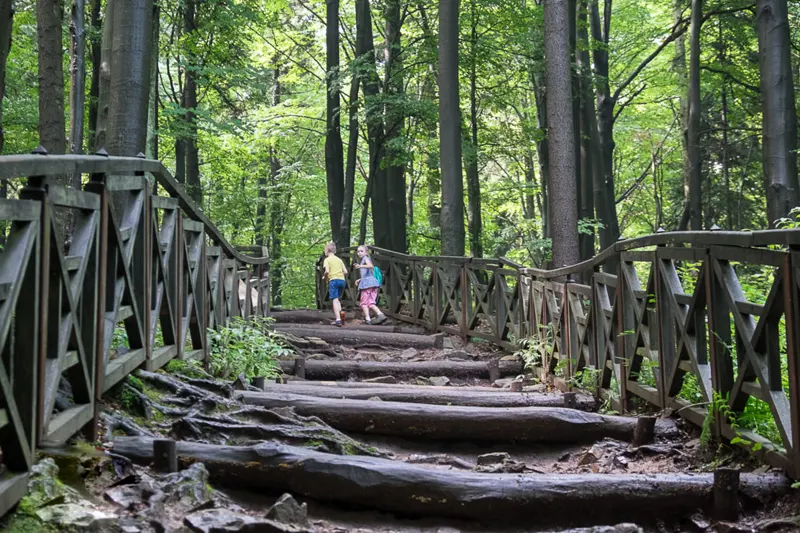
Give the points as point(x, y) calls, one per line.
point(294, 122)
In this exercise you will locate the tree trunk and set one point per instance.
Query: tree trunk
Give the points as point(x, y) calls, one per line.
point(779, 126)
point(473, 182)
point(726, 170)
point(263, 181)
point(530, 185)
point(679, 68)
point(334, 155)
point(591, 174)
point(376, 179)
point(609, 233)
point(337, 370)
point(193, 186)
point(350, 167)
point(542, 148)
point(95, 44)
point(561, 140)
point(77, 82)
point(452, 422)
point(452, 219)
point(6, 27)
point(277, 222)
point(423, 394)
point(152, 120)
point(395, 123)
point(130, 77)
point(695, 170)
point(103, 86)
point(52, 127)
point(417, 490)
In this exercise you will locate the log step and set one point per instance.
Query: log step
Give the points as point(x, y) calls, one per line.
point(457, 423)
point(417, 491)
point(335, 370)
point(353, 337)
point(433, 395)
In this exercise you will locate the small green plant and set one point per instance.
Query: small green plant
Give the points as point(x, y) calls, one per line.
point(246, 347)
point(535, 349)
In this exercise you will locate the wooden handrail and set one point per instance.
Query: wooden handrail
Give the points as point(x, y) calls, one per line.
point(20, 166)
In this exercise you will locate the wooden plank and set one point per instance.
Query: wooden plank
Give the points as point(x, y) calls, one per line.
point(20, 210)
point(72, 262)
point(65, 197)
point(197, 355)
point(162, 356)
point(5, 291)
point(67, 423)
point(126, 183)
point(647, 392)
point(753, 389)
point(749, 308)
point(751, 256)
point(639, 256)
point(124, 313)
point(13, 487)
point(192, 226)
point(122, 366)
point(162, 202)
point(605, 279)
point(125, 233)
point(3, 418)
point(69, 360)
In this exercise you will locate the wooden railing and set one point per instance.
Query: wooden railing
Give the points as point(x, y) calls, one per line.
point(672, 314)
point(78, 266)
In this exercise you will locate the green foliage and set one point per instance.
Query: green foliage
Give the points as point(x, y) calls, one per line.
point(249, 348)
point(190, 369)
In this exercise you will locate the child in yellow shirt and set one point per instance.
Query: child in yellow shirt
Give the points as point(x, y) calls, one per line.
point(335, 273)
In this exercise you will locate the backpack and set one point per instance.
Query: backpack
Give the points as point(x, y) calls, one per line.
point(377, 273)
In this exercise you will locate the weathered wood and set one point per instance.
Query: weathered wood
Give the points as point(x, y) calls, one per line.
point(316, 369)
point(726, 494)
point(413, 490)
point(430, 395)
point(354, 337)
point(359, 326)
point(438, 422)
point(645, 430)
point(165, 455)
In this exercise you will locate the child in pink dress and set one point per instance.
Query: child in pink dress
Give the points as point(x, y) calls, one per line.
point(368, 285)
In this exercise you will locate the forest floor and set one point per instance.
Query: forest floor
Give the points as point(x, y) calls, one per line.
point(352, 461)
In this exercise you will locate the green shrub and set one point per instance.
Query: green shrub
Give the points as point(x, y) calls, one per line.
point(246, 347)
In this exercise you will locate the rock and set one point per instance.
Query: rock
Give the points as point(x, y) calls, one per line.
point(509, 358)
point(699, 521)
point(587, 459)
point(564, 457)
point(317, 342)
point(71, 515)
point(126, 496)
point(439, 381)
point(44, 487)
point(382, 379)
point(409, 354)
point(448, 530)
point(503, 383)
point(225, 521)
point(619, 528)
point(539, 387)
point(288, 511)
point(374, 399)
point(493, 458)
point(189, 486)
point(316, 357)
point(457, 354)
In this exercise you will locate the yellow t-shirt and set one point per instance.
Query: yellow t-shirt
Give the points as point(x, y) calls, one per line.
point(335, 267)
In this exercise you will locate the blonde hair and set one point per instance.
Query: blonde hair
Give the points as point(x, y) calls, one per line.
point(363, 247)
point(330, 248)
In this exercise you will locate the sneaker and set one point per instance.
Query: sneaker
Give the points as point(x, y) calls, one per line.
point(338, 323)
point(368, 322)
point(343, 316)
point(380, 318)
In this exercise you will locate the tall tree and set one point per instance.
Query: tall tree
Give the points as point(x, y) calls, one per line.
point(129, 86)
point(104, 77)
point(95, 52)
point(779, 124)
point(473, 183)
point(695, 169)
point(77, 79)
point(334, 152)
point(395, 123)
point(679, 68)
point(561, 140)
point(376, 184)
point(6, 25)
point(452, 219)
point(193, 185)
point(593, 192)
point(52, 125)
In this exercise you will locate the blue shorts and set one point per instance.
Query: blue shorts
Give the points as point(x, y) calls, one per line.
point(335, 288)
